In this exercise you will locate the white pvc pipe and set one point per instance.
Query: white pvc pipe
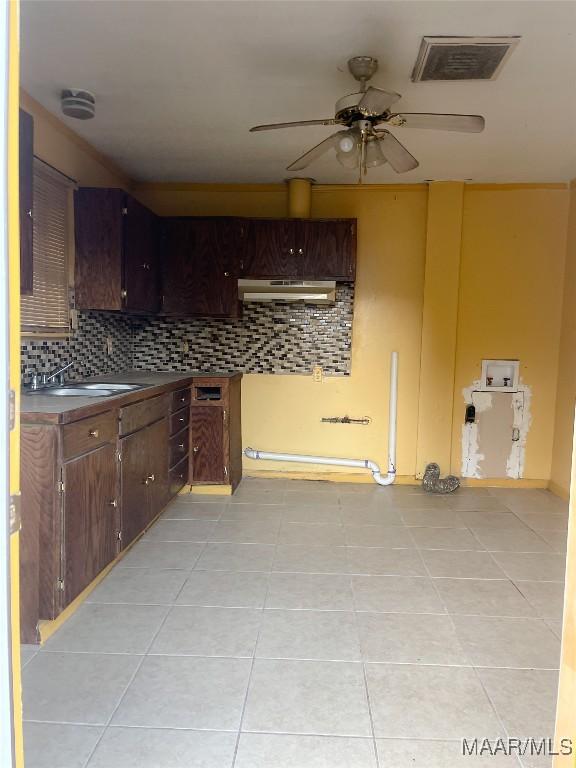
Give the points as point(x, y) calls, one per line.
point(387, 479)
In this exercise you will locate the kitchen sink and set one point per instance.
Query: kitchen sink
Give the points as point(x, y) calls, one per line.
point(73, 391)
point(88, 385)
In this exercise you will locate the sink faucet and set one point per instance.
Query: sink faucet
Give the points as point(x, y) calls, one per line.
point(38, 380)
point(57, 374)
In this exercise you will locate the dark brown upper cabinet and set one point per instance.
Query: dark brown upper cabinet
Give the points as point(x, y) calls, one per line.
point(313, 249)
point(26, 141)
point(116, 252)
point(200, 261)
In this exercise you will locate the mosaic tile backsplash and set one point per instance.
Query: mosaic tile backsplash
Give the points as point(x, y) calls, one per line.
point(86, 347)
point(271, 337)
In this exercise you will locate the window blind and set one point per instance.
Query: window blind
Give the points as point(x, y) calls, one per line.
point(47, 309)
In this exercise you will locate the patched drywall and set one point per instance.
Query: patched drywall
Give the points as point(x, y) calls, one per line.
point(499, 449)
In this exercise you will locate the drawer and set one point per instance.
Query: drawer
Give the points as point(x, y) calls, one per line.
point(179, 420)
point(178, 446)
point(178, 477)
point(82, 436)
point(180, 399)
point(142, 413)
point(210, 392)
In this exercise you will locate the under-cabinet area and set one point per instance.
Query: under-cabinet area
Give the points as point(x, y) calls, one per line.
point(98, 471)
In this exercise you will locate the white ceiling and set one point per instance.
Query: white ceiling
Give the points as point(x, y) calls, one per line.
point(178, 84)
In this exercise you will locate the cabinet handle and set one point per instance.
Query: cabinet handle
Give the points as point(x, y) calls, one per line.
point(181, 418)
point(145, 266)
point(151, 477)
point(291, 251)
point(196, 449)
point(301, 251)
point(93, 433)
point(183, 399)
point(113, 503)
point(29, 213)
point(181, 446)
point(123, 293)
point(226, 274)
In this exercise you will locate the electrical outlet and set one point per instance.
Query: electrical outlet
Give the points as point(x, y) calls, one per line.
point(108, 345)
point(74, 319)
point(317, 374)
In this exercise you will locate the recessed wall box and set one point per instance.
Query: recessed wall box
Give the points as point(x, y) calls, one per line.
point(500, 375)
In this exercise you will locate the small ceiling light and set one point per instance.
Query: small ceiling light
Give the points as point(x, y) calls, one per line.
point(374, 154)
point(78, 103)
point(348, 149)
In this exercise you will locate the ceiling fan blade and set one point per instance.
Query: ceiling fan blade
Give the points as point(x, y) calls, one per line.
point(464, 123)
point(314, 153)
point(272, 126)
point(376, 101)
point(396, 154)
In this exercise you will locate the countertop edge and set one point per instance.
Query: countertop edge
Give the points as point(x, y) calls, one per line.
point(115, 401)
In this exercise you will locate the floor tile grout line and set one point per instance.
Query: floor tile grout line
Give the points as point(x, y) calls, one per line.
point(133, 677)
point(364, 675)
point(478, 678)
point(245, 702)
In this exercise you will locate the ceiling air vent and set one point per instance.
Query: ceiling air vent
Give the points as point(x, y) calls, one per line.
point(462, 58)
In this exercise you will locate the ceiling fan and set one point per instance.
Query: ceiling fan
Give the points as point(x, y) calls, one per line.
point(362, 144)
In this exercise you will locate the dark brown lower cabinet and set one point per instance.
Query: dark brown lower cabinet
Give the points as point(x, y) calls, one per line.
point(207, 425)
point(144, 478)
point(70, 514)
point(216, 431)
point(89, 518)
point(91, 486)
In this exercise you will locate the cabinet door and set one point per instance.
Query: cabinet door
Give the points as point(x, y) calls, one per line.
point(26, 198)
point(141, 278)
point(199, 266)
point(208, 461)
point(98, 225)
point(135, 482)
point(158, 457)
point(270, 249)
point(90, 525)
point(329, 249)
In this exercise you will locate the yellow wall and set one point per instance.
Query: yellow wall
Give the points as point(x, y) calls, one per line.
point(439, 325)
point(566, 711)
point(513, 247)
point(563, 428)
point(13, 220)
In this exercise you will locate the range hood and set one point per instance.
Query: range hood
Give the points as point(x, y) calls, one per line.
point(309, 291)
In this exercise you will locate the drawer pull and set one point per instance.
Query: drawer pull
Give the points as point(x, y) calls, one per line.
point(181, 446)
point(182, 399)
point(149, 479)
point(182, 419)
point(196, 449)
point(113, 503)
point(93, 433)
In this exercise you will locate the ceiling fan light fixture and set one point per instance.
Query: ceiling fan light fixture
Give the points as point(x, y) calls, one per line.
point(374, 156)
point(348, 149)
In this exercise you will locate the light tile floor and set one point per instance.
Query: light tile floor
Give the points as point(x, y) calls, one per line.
point(304, 625)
